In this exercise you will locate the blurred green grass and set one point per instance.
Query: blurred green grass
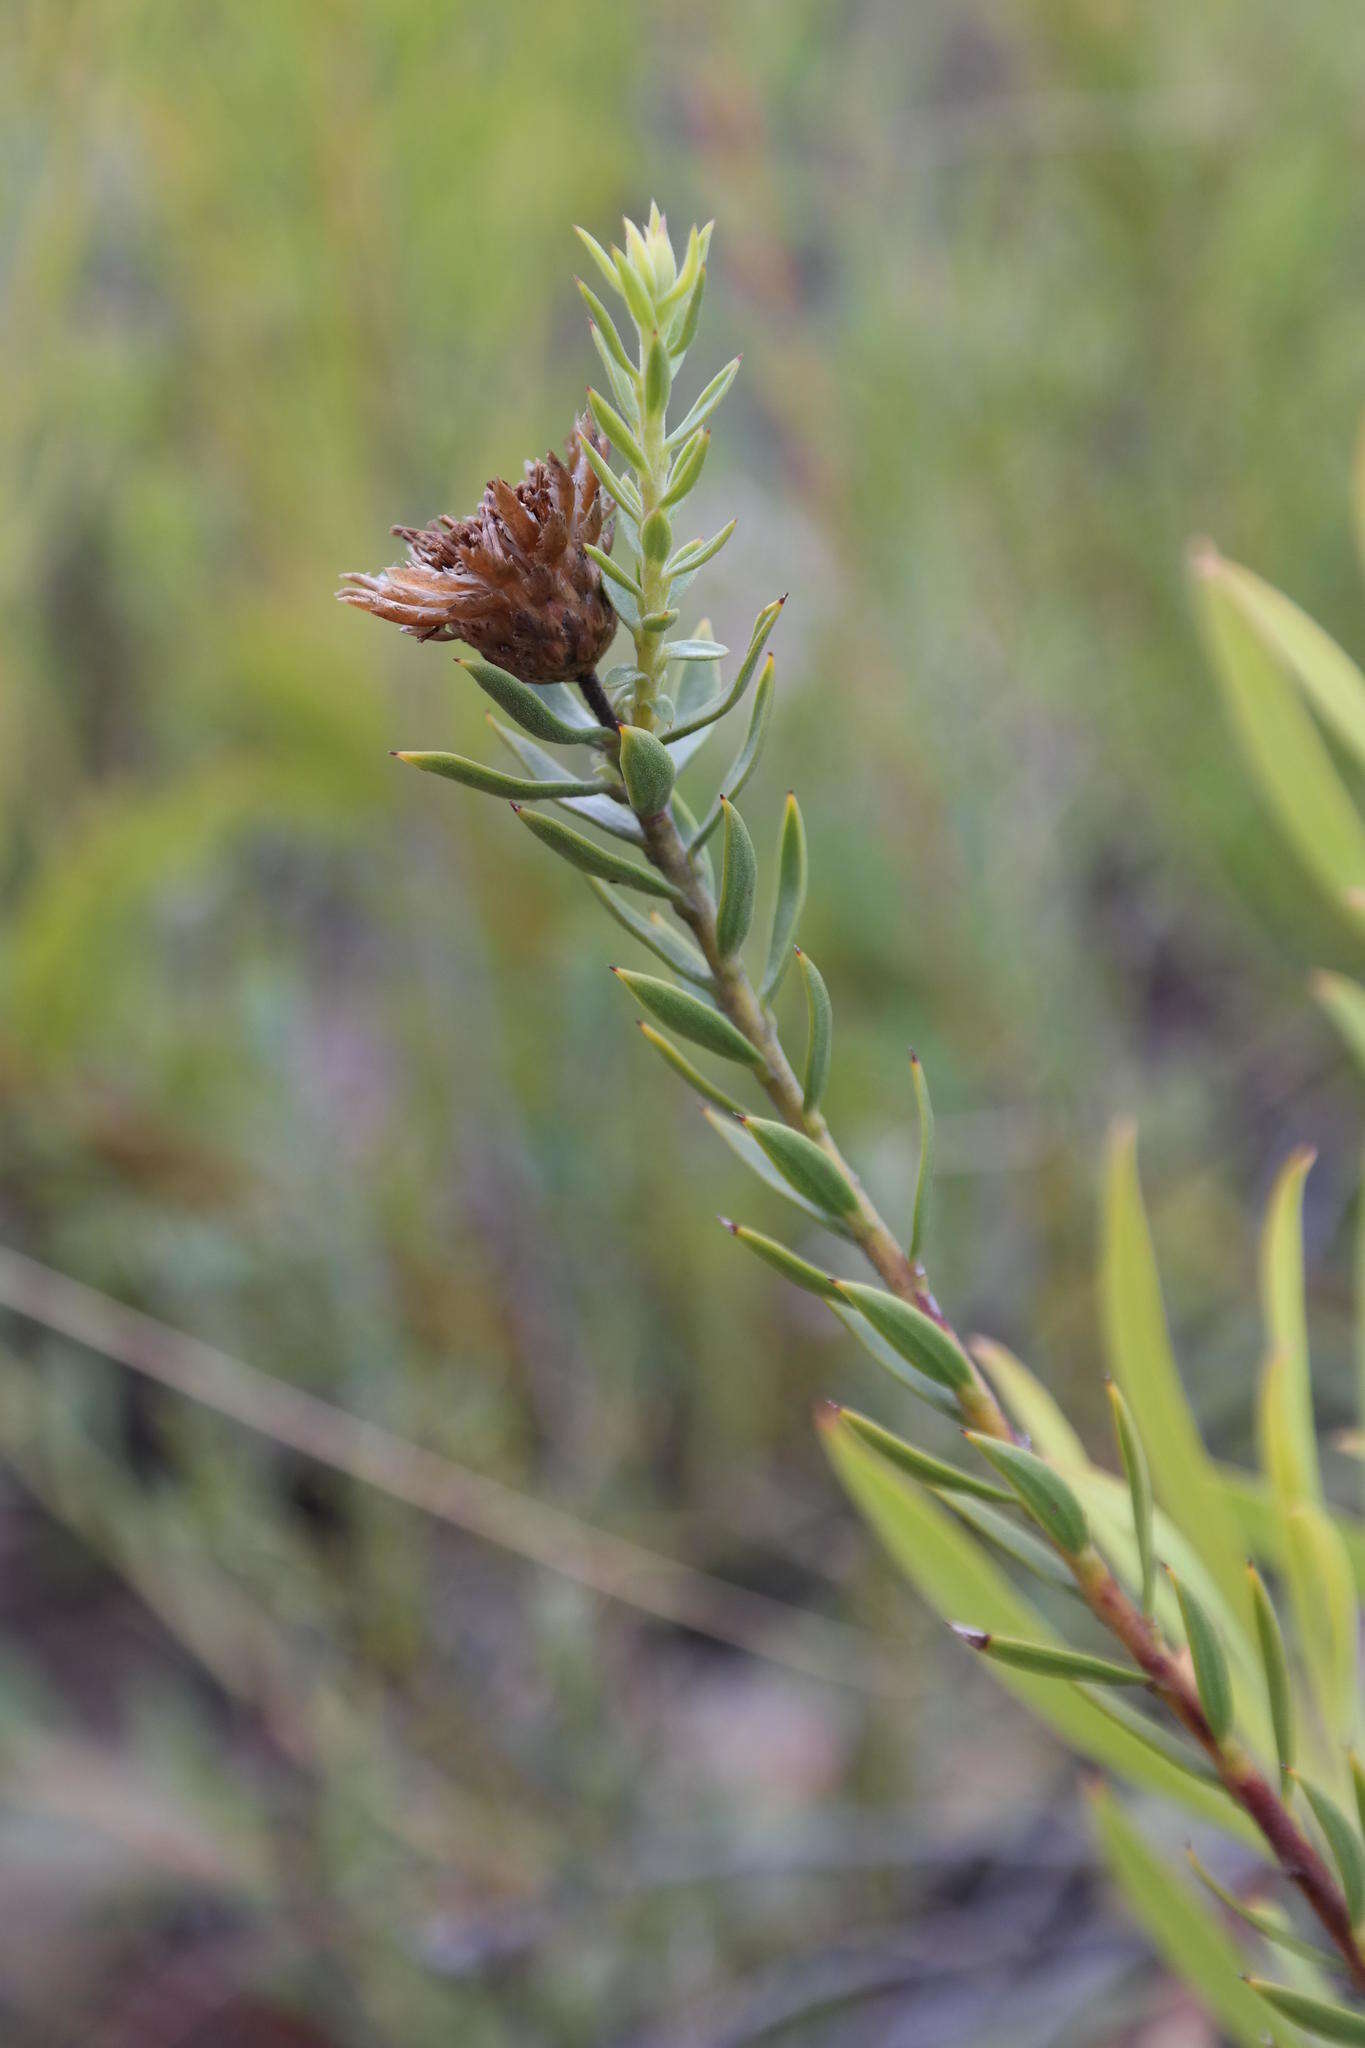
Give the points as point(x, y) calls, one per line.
point(325, 1067)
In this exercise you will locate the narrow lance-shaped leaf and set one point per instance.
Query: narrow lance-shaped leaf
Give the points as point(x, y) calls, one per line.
point(694, 554)
point(606, 327)
point(521, 702)
point(668, 945)
point(646, 770)
point(802, 1162)
point(1358, 1785)
point(622, 381)
point(791, 897)
point(592, 859)
point(783, 1261)
point(684, 1068)
point(924, 1173)
point(1279, 1691)
point(1134, 1461)
point(492, 781)
point(1321, 2017)
point(1342, 1840)
point(746, 1148)
point(932, 1392)
point(1043, 1492)
point(1320, 1575)
point(613, 569)
point(658, 376)
point(616, 430)
point(1282, 1300)
point(916, 1336)
point(1211, 1679)
point(746, 760)
point(635, 292)
point(599, 257)
point(602, 810)
point(1265, 1923)
point(819, 1033)
point(1014, 1541)
point(1047, 1659)
point(686, 469)
point(1344, 1002)
point(619, 488)
point(935, 1472)
point(738, 880)
point(708, 715)
point(689, 1016)
point(705, 405)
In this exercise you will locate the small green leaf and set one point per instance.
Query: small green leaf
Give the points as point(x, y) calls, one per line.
point(619, 488)
point(783, 1261)
point(491, 781)
point(750, 1153)
point(682, 330)
point(646, 770)
point(1357, 1785)
point(1265, 1923)
point(1282, 1301)
point(802, 1162)
point(1342, 1840)
point(745, 761)
point(602, 810)
point(616, 430)
point(738, 878)
point(719, 706)
point(683, 1067)
point(819, 1033)
point(924, 1173)
point(1325, 672)
point(1043, 1492)
point(592, 859)
point(696, 553)
point(1210, 1664)
point(693, 650)
point(791, 897)
point(606, 327)
point(932, 1392)
point(636, 293)
point(1344, 1002)
point(521, 702)
point(1322, 1586)
point(1318, 2016)
point(613, 570)
point(1019, 1544)
point(1279, 1690)
point(656, 538)
point(688, 1015)
point(917, 1337)
point(1047, 1659)
point(1031, 1405)
point(666, 944)
point(705, 405)
point(944, 1478)
point(658, 376)
point(687, 468)
point(1134, 1461)
point(599, 257)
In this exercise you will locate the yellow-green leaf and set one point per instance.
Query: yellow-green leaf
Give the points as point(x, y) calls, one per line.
point(1282, 1304)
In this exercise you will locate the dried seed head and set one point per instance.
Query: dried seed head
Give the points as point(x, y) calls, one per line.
point(512, 580)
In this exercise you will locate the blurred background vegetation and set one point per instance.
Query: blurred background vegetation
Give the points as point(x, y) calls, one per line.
point(321, 1064)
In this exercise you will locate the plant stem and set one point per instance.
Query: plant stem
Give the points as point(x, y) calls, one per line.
point(738, 1000)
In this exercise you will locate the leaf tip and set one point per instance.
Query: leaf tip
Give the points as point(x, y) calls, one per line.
point(974, 1638)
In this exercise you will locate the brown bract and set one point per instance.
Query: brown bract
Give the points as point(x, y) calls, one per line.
point(512, 580)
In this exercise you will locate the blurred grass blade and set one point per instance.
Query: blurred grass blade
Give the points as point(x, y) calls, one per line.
point(591, 859)
point(1322, 1589)
point(1344, 1002)
point(1264, 1922)
point(1324, 671)
point(747, 1148)
point(492, 781)
point(738, 880)
point(1139, 1479)
point(944, 1478)
point(819, 1033)
point(684, 1068)
point(1278, 1685)
point(666, 944)
point(1030, 1404)
point(1185, 1934)
point(1317, 2016)
point(1343, 1841)
point(1043, 1492)
point(689, 1016)
point(1049, 1660)
point(783, 1261)
point(791, 897)
point(950, 1571)
point(1211, 1677)
point(924, 1173)
point(1141, 1361)
point(1282, 1304)
point(804, 1165)
point(915, 1335)
point(1284, 749)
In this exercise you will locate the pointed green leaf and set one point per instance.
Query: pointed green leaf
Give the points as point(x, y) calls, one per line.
point(802, 1162)
point(791, 897)
point(1343, 1841)
point(606, 327)
point(1279, 1690)
point(705, 405)
point(646, 770)
point(782, 1260)
point(619, 488)
point(1282, 1305)
point(1284, 749)
point(718, 707)
point(1185, 1934)
point(747, 1149)
point(1344, 1002)
point(944, 1478)
point(616, 430)
point(1264, 1921)
point(1047, 1659)
point(1134, 1461)
point(613, 570)
point(599, 257)
point(593, 859)
point(696, 553)
point(1318, 2016)
point(924, 1173)
point(738, 880)
point(1043, 1492)
point(915, 1335)
point(1324, 671)
point(1211, 1678)
point(1140, 1359)
point(686, 469)
point(1015, 1542)
point(1030, 1404)
point(746, 760)
point(890, 1360)
point(689, 1016)
point(819, 1033)
point(521, 702)
point(682, 330)
point(1322, 1588)
point(636, 293)
point(491, 781)
point(658, 376)
point(668, 945)
point(606, 812)
point(683, 1067)
point(1357, 1785)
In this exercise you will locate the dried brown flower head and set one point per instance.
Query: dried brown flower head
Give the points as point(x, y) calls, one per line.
point(513, 579)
